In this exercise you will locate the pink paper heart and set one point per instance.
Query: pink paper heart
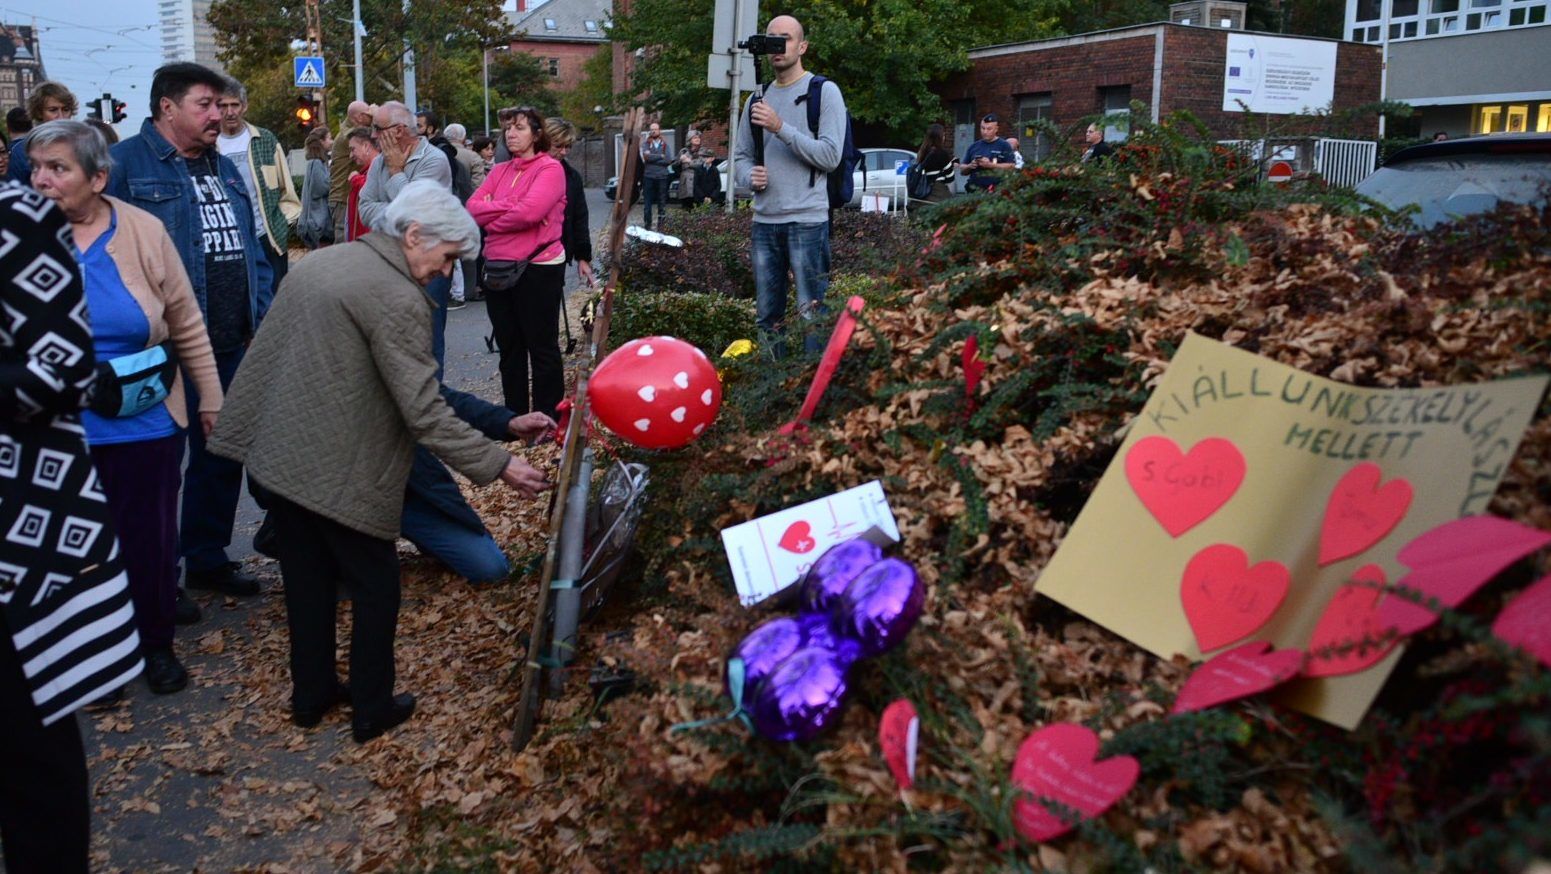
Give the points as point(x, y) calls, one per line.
point(1452, 561)
point(1058, 763)
point(1238, 673)
point(1360, 512)
point(1183, 489)
point(898, 733)
point(798, 538)
point(1227, 600)
point(1526, 621)
point(1351, 617)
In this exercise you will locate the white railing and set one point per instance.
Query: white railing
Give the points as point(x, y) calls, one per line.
point(1345, 162)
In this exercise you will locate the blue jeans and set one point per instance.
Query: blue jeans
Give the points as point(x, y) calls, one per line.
point(440, 291)
point(803, 249)
point(471, 554)
point(211, 484)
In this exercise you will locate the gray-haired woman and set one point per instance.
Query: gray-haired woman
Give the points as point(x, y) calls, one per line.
point(141, 302)
point(336, 390)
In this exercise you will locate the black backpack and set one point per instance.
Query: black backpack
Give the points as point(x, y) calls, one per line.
point(841, 184)
point(918, 182)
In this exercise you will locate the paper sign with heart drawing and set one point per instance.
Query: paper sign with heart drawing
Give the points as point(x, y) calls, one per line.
point(772, 552)
point(1291, 471)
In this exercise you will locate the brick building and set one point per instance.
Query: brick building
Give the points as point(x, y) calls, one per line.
point(1167, 66)
point(563, 35)
point(21, 64)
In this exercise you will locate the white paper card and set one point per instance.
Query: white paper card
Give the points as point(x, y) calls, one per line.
point(772, 552)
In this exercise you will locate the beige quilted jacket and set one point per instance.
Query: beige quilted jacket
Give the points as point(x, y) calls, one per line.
point(338, 387)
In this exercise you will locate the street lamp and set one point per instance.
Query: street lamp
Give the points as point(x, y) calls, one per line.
point(485, 53)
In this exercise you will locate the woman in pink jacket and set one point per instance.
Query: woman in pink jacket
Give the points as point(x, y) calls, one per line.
point(521, 207)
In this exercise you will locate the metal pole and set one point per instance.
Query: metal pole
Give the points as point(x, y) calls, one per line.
point(1384, 61)
point(356, 28)
point(568, 600)
point(736, 74)
point(409, 67)
point(484, 56)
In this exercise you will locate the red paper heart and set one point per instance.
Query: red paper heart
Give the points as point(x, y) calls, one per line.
point(1057, 763)
point(1238, 673)
point(974, 368)
point(1452, 561)
point(798, 538)
point(1526, 621)
point(1182, 489)
point(898, 731)
point(1350, 617)
point(1225, 599)
point(1360, 512)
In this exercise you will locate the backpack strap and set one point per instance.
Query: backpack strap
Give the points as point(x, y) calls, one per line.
point(815, 104)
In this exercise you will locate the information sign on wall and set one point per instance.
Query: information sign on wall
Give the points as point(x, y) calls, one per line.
point(1278, 75)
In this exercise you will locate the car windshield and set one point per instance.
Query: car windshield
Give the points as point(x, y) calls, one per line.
point(1454, 186)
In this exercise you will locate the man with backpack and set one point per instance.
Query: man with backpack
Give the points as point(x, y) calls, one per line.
point(802, 121)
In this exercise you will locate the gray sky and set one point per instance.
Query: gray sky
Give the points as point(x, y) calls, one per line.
point(99, 45)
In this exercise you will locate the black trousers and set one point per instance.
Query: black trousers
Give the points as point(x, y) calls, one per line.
point(526, 322)
point(315, 554)
point(279, 261)
point(45, 803)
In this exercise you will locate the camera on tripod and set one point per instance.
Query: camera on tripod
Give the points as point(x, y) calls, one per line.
point(764, 44)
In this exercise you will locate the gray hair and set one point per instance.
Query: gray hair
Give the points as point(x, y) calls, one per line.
point(432, 206)
point(85, 142)
point(397, 113)
point(456, 132)
point(235, 89)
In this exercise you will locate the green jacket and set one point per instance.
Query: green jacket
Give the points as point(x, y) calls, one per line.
point(340, 385)
point(266, 161)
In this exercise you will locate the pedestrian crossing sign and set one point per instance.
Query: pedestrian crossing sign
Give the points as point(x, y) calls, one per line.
point(309, 73)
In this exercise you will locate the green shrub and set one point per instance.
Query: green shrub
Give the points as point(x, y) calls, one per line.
point(709, 321)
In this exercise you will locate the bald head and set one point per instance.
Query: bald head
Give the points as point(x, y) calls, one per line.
point(788, 64)
point(359, 113)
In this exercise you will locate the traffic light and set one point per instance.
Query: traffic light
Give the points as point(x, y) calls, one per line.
point(94, 110)
point(119, 113)
point(306, 112)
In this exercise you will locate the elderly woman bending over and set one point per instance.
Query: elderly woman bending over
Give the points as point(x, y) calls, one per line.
point(142, 308)
point(336, 390)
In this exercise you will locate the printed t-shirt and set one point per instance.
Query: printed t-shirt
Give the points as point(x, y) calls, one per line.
point(227, 312)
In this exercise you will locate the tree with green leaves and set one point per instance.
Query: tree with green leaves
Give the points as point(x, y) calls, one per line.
point(256, 39)
point(886, 55)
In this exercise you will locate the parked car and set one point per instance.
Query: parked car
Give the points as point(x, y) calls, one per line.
point(877, 175)
point(611, 186)
point(1457, 178)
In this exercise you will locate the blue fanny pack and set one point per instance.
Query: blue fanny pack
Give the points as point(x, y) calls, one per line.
point(131, 384)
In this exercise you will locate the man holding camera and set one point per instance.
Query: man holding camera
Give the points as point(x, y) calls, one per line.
point(791, 197)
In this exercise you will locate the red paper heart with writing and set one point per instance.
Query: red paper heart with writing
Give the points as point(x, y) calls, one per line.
point(1238, 673)
point(1452, 561)
point(798, 538)
point(1225, 599)
point(898, 733)
point(1350, 618)
point(1360, 512)
point(1526, 621)
point(1058, 763)
point(1183, 489)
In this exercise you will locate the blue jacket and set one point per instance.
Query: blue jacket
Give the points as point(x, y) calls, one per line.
point(149, 173)
point(429, 480)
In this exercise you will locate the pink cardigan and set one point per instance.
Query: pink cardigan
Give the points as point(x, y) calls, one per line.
point(521, 205)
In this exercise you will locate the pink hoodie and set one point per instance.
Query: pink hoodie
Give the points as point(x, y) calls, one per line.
point(521, 205)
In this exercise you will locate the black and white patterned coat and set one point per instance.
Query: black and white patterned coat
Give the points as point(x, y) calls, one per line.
point(63, 591)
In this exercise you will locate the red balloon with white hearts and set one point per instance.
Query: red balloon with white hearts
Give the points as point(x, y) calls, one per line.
point(656, 392)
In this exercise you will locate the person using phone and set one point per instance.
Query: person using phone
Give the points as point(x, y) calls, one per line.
point(987, 155)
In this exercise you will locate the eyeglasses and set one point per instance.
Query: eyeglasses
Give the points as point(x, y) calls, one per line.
point(384, 129)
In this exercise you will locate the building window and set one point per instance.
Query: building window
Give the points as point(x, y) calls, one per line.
point(1034, 145)
point(1491, 120)
point(1368, 10)
point(1402, 8)
point(590, 26)
point(553, 66)
point(1518, 118)
point(1444, 6)
point(1116, 101)
point(551, 24)
point(1543, 123)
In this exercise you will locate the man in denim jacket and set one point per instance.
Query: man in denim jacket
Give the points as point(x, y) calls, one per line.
point(173, 170)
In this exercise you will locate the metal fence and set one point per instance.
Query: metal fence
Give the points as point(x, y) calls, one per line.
point(1345, 162)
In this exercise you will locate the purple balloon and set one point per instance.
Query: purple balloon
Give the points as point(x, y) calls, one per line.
point(880, 607)
point(835, 569)
point(801, 697)
point(818, 630)
point(763, 649)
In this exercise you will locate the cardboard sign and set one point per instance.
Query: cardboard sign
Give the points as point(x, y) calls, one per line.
point(772, 552)
point(1301, 438)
